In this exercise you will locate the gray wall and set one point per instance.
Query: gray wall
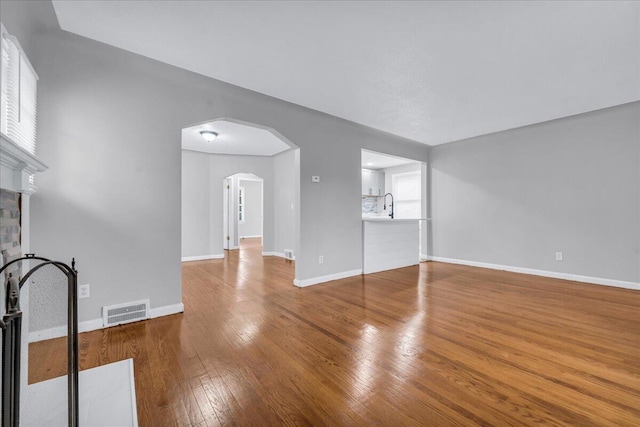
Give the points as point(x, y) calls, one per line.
point(196, 205)
point(26, 19)
point(252, 225)
point(286, 179)
point(109, 128)
point(516, 197)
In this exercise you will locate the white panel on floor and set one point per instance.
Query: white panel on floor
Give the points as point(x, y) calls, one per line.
point(107, 398)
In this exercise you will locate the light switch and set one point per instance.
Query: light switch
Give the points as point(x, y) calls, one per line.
point(315, 178)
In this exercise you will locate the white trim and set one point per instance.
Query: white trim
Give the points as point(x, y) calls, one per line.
point(278, 254)
point(425, 257)
point(61, 331)
point(16, 165)
point(553, 274)
point(250, 237)
point(132, 383)
point(233, 248)
point(166, 310)
point(202, 257)
point(87, 325)
point(327, 278)
point(95, 324)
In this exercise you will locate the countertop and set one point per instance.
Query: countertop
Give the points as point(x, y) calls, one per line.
point(387, 219)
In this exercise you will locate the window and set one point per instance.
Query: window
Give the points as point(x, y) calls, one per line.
point(241, 204)
point(407, 195)
point(18, 98)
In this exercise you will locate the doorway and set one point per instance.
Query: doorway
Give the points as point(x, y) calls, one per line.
point(396, 187)
point(243, 210)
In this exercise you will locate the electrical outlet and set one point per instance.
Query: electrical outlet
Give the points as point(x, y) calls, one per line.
point(84, 291)
point(320, 259)
point(558, 256)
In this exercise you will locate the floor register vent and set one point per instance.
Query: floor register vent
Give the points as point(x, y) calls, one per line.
point(125, 313)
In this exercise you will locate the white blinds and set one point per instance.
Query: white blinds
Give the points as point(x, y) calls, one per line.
point(407, 192)
point(18, 95)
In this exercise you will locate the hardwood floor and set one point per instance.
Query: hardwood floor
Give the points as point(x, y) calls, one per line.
point(431, 345)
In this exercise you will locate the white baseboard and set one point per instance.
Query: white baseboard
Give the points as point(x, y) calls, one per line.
point(166, 310)
point(424, 257)
point(553, 274)
point(250, 237)
point(278, 254)
point(327, 278)
point(202, 257)
point(61, 331)
point(95, 324)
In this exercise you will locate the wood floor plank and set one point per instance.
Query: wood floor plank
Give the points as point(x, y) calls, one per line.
point(435, 344)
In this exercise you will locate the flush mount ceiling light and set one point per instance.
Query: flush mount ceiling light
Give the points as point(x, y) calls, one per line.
point(208, 135)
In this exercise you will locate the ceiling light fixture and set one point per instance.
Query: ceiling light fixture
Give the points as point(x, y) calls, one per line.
point(208, 135)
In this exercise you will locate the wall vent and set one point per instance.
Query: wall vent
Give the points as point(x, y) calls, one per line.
point(288, 254)
point(125, 313)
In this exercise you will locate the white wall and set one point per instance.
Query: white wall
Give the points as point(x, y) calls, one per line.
point(517, 197)
point(202, 205)
point(252, 225)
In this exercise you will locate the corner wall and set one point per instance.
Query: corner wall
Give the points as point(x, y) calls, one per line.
point(515, 198)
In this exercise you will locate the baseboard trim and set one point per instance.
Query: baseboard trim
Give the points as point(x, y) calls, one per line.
point(250, 237)
point(327, 278)
point(424, 257)
point(278, 254)
point(202, 257)
point(166, 310)
point(95, 324)
point(543, 273)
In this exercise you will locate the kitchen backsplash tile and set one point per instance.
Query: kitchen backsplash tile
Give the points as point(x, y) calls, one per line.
point(369, 205)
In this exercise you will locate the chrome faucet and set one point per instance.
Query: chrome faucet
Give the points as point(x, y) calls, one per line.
point(390, 206)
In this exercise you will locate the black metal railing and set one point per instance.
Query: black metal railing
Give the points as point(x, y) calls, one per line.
point(11, 341)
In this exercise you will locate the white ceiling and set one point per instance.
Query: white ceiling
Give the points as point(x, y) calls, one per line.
point(373, 160)
point(433, 72)
point(233, 138)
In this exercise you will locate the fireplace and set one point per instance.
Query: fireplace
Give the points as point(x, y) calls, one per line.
point(17, 169)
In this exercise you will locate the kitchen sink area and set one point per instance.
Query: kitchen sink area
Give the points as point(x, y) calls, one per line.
point(392, 211)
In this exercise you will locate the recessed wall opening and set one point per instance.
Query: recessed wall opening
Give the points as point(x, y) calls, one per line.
point(239, 185)
point(395, 188)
